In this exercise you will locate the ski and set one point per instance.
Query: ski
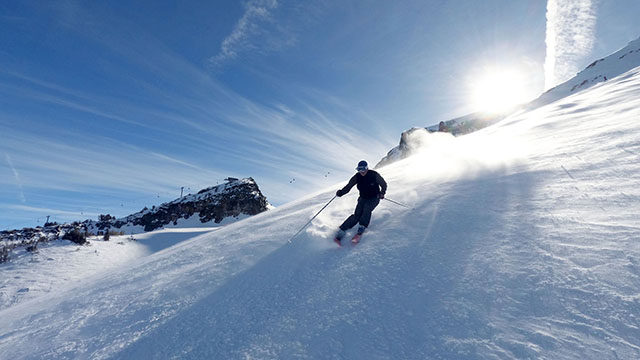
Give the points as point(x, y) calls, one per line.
point(356, 239)
point(337, 241)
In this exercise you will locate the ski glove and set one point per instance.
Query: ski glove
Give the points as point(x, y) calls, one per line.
point(380, 196)
point(339, 193)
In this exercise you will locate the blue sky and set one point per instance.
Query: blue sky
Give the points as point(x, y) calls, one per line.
point(107, 107)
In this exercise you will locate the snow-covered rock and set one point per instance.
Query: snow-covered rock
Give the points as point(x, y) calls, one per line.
point(412, 141)
point(234, 198)
point(222, 204)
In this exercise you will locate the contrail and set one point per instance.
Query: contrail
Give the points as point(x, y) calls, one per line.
point(570, 36)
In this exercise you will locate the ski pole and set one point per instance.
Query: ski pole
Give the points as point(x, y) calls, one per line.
point(309, 222)
point(397, 203)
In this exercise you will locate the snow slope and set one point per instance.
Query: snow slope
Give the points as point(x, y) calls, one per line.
point(598, 71)
point(524, 243)
point(60, 264)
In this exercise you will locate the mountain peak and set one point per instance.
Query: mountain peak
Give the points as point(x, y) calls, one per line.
point(233, 198)
point(598, 71)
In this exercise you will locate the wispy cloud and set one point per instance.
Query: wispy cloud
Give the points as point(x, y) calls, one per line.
point(16, 176)
point(256, 13)
point(57, 212)
point(177, 126)
point(570, 36)
point(101, 163)
point(234, 137)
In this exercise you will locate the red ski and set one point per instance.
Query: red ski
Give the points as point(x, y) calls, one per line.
point(337, 241)
point(356, 239)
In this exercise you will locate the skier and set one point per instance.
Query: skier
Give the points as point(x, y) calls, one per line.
point(372, 188)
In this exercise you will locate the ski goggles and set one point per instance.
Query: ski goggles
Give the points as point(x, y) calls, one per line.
point(362, 168)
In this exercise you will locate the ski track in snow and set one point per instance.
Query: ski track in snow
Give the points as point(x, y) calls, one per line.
point(524, 243)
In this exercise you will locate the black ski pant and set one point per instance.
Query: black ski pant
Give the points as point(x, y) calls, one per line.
point(362, 214)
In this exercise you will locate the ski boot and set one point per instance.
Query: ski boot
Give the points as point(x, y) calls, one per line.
point(338, 237)
point(356, 238)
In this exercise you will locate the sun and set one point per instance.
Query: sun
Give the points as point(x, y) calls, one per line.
point(497, 91)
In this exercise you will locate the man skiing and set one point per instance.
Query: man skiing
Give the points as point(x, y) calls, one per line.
point(372, 188)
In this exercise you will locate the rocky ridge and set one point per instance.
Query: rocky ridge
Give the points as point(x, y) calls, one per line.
point(232, 199)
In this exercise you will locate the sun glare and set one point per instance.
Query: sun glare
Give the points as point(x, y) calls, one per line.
point(498, 91)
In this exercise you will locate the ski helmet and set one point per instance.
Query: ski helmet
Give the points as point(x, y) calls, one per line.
point(362, 166)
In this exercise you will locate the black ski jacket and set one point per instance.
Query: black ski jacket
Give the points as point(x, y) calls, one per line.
point(369, 185)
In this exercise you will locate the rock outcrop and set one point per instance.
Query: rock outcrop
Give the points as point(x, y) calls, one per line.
point(234, 198)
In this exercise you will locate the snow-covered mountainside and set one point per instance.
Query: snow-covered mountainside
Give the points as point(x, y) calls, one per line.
point(47, 259)
point(599, 71)
point(522, 243)
point(60, 264)
point(234, 198)
point(418, 137)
